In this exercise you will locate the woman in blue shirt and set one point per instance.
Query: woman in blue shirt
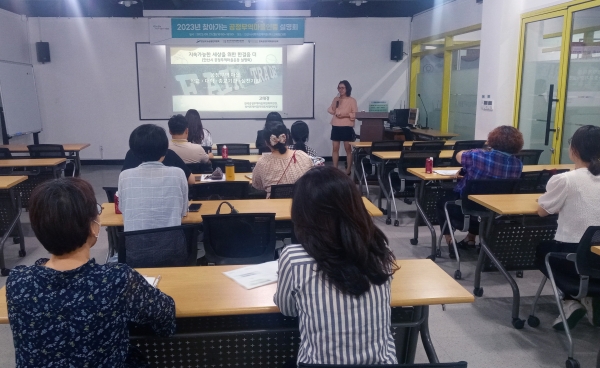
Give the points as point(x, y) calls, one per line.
point(68, 311)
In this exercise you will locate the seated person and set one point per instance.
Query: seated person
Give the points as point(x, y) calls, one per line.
point(69, 311)
point(282, 166)
point(190, 153)
point(260, 141)
point(575, 197)
point(299, 133)
point(497, 162)
point(349, 295)
point(198, 134)
point(151, 195)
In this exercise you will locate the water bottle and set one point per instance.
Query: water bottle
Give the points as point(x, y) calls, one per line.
point(116, 200)
point(229, 170)
point(224, 152)
point(429, 165)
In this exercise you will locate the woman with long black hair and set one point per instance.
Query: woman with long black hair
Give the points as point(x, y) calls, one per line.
point(337, 281)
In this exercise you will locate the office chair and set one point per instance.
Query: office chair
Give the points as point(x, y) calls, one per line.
point(219, 190)
point(424, 365)
point(472, 209)
point(200, 168)
point(282, 191)
point(535, 181)
point(207, 149)
point(428, 146)
point(409, 159)
point(585, 284)
point(463, 146)
point(408, 135)
point(110, 193)
point(53, 151)
point(241, 166)
point(247, 238)
point(529, 156)
point(369, 172)
point(10, 224)
point(174, 246)
point(5, 153)
point(234, 148)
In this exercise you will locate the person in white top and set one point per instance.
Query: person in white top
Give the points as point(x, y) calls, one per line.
point(190, 153)
point(575, 197)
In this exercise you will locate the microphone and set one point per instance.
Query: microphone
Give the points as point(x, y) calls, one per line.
point(337, 104)
point(426, 114)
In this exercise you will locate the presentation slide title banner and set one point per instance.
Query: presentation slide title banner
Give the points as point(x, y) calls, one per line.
point(227, 31)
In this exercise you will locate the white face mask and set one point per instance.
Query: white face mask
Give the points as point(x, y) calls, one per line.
point(99, 226)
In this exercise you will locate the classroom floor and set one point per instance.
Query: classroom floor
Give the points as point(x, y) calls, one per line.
point(479, 333)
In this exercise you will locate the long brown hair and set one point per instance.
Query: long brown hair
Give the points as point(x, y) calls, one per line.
point(334, 227)
point(195, 128)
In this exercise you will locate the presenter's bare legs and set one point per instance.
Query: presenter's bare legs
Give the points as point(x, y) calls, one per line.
point(335, 153)
point(348, 149)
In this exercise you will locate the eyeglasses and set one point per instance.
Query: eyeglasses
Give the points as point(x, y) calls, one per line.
point(99, 208)
point(341, 87)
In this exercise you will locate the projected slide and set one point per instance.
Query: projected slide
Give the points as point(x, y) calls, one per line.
point(236, 79)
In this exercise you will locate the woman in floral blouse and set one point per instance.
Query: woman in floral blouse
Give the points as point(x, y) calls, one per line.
point(68, 311)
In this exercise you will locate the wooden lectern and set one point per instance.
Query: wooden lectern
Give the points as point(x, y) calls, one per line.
point(371, 129)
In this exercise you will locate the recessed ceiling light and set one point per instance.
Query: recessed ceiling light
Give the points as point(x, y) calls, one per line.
point(128, 3)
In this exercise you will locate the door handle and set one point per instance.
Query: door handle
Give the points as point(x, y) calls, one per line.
point(551, 100)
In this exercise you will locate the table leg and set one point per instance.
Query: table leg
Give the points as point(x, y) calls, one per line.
point(381, 179)
point(421, 214)
point(77, 162)
point(426, 337)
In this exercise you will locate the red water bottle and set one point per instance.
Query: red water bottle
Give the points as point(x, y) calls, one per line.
point(224, 152)
point(429, 165)
point(116, 200)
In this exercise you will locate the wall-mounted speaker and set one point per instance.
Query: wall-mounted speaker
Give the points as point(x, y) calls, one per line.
point(397, 50)
point(43, 52)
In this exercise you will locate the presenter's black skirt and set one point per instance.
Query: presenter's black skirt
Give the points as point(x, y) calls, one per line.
point(342, 134)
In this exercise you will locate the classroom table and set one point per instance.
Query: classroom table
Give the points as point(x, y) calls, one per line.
point(35, 164)
point(596, 249)
point(252, 158)
point(426, 134)
point(11, 214)
point(519, 245)
point(217, 318)
point(238, 177)
point(252, 146)
point(71, 148)
point(425, 207)
point(408, 144)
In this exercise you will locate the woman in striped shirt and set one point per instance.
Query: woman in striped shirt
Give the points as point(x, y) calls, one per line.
point(338, 280)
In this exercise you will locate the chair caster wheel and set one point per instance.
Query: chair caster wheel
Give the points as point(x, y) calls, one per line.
point(572, 363)
point(408, 201)
point(432, 257)
point(520, 274)
point(388, 221)
point(478, 291)
point(22, 253)
point(4, 271)
point(533, 321)
point(457, 275)
point(396, 223)
point(438, 253)
point(16, 240)
point(518, 323)
point(414, 241)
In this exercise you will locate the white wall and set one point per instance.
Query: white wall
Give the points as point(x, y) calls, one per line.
point(501, 27)
point(88, 93)
point(447, 17)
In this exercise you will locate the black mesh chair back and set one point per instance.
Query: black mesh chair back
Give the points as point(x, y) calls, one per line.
point(175, 246)
point(241, 166)
point(464, 146)
point(207, 149)
point(412, 159)
point(219, 190)
point(247, 238)
point(485, 186)
point(110, 193)
point(10, 224)
point(428, 146)
point(588, 264)
point(5, 153)
point(51, 151)
point(535, 181)
point(529, 156)
point(422, 365)
point(387, 146)
point(201, 168)
point(234, 148)
point(282, 191)
point(408, 135)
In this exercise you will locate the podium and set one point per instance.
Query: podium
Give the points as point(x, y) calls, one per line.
point(371, 129)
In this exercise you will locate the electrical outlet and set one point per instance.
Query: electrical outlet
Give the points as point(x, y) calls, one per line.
point(487, 104)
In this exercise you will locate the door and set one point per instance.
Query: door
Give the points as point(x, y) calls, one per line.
point(538, 105)
point(582, 97)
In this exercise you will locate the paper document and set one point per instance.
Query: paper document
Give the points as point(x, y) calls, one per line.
point(249, 176)
point(152, 280)
point(254, 276)
point(446, 172)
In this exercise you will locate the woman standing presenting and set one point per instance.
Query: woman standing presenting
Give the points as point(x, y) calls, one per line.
point(343, 108)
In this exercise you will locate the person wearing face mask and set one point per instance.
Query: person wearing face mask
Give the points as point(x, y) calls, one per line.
point(69, 311)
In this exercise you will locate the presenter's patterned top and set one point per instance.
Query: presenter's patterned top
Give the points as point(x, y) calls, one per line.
point(347, 106)
point(335, 328)
point(79, 318)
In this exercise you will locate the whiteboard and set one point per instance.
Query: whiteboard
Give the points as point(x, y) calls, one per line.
point(19, 99)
